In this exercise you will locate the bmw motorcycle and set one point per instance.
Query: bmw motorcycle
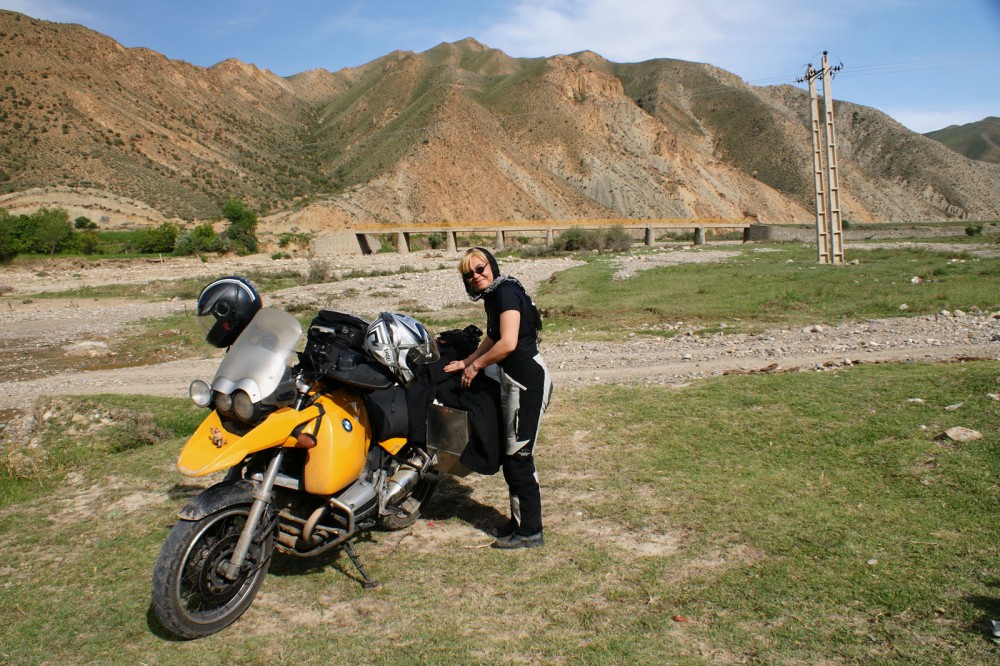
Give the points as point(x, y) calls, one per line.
point(315, 453)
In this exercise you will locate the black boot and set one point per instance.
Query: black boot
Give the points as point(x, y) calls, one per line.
point(518, 540)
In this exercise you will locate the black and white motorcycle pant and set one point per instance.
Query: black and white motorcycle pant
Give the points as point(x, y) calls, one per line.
point(525, 389)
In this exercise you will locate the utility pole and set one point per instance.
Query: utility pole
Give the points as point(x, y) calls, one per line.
point(826, 180)
point(833, 178)
point(822, 230)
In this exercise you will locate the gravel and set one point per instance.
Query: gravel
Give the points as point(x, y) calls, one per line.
point(39, 338)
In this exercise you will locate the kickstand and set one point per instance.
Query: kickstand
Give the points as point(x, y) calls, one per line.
point(369, 582)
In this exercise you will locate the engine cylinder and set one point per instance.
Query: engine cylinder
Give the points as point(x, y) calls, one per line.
point(361, 498)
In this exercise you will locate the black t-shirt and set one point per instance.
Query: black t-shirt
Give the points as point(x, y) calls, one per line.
point(510, 296)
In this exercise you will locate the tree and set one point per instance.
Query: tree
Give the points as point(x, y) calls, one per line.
point(90, 242)
point(158, 239)
point(242, 229)
point(9, 246)
point(200, 239)
point(53, 232)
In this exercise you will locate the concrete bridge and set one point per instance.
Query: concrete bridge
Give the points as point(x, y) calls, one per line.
point(366, 236)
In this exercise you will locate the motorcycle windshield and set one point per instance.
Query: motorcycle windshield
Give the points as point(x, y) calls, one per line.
point(257, 361)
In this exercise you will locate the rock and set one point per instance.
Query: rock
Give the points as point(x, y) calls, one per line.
point(960, 434)
point(915, 280)
point(953, 408)
point(904, 307)
point(916, 401)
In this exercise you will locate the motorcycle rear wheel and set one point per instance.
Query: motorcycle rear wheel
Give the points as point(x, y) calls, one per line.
point(411, 506)
point(191, 597)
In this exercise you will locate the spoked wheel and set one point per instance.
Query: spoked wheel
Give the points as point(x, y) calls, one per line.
point(191, 595)
point(410, 507)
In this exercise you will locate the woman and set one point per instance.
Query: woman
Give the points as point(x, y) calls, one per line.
point(511, 342)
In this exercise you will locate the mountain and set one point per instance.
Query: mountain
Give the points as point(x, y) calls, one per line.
point(979, 140)
point(461, 132)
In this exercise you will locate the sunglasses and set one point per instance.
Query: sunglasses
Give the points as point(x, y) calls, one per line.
point(478, 270)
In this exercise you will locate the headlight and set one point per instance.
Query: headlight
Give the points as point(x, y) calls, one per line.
point(224, 402)
point(243, 405)
point(200, 392)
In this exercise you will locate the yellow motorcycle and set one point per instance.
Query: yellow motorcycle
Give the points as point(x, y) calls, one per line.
point(315, 453)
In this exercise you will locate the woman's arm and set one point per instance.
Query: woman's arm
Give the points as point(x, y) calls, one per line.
point(490, 352)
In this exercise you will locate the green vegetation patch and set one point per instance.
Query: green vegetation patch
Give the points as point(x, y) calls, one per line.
point(772, 286)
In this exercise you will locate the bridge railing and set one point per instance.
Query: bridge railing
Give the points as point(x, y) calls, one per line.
point(551, 228)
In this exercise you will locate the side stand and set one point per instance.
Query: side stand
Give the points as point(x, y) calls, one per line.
point(368, 582)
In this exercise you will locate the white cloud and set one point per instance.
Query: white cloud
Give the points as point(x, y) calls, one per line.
point(723, 32)
point(49, 10)
point(923, 121)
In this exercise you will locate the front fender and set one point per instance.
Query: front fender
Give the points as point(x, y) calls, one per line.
point(212, 448)
point(217, 497)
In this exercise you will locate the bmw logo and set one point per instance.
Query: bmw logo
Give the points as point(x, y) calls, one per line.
point(348, 426)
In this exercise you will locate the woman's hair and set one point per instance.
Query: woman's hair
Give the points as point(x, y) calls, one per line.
point(465, 264)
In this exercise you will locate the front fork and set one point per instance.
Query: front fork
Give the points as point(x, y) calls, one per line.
point(262, 495)
point(261, 498)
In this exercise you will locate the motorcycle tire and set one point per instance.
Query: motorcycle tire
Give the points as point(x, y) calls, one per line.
point(191, 598)
point(411, 506)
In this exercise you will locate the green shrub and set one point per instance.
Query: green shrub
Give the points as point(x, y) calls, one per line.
point(241, 233)
point(161, 239)
point(437, 240)
point(198, 240)
point(974, 230)
point(576, 239)
point(90, 242)
point(616, 239)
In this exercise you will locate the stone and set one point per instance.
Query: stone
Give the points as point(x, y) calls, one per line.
point(960, 434)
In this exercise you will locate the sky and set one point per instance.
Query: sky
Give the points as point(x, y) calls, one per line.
point(927, 63)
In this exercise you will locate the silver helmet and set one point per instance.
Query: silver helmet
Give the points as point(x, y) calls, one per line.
point(399, 342)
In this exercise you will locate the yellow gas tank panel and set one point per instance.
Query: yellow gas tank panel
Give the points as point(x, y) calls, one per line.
point(342, 439)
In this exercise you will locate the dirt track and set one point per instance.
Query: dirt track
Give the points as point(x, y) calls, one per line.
point(40, 339)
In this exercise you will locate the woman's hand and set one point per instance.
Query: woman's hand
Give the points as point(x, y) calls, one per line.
point(469, 371)
point(469, 374)
point(455, 366)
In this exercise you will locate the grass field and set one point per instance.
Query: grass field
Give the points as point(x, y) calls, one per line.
point(792, 518)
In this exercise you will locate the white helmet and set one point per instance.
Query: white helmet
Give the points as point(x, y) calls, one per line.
point(398, 342)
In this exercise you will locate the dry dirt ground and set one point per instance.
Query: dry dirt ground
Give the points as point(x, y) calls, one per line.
point(48, 345)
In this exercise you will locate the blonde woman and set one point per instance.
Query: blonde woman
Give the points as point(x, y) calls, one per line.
point(511, 342)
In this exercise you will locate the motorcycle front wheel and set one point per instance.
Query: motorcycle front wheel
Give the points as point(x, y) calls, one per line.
point(191, 596)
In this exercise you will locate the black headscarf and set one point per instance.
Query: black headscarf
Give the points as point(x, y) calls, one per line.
point(494, 268)
point(499, 279)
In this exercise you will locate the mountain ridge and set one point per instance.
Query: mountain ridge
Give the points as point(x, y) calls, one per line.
point(460, 132)
point(979, 140)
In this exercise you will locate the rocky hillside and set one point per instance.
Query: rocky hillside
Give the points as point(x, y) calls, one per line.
point(461, 132)
point(979, 140)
